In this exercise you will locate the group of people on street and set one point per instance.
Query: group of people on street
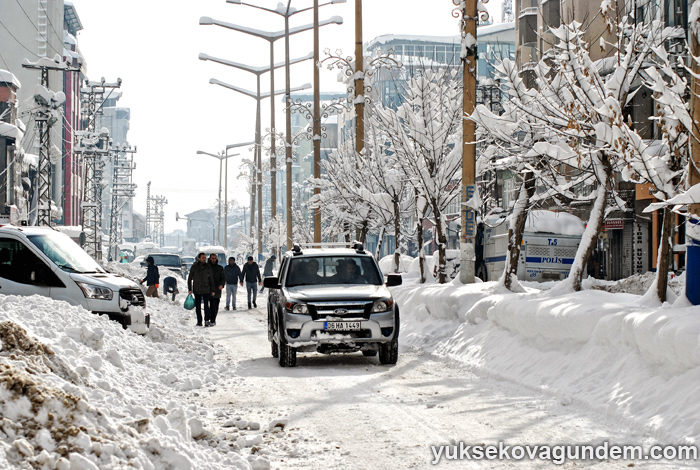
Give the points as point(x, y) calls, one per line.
point(207, 280)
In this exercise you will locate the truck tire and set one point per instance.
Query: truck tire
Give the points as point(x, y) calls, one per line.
point(275, 350)
point(287, 356)
point(389, 352)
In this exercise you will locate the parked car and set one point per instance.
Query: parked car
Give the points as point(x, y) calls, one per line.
point(187, 262)
point(43, 261)
point(167, 262)
point(332, 300)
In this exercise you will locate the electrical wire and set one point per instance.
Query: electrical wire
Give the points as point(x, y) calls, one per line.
point(37, 28)
point(18, 41)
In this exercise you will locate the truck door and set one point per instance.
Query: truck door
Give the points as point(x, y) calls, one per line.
point(22, 272)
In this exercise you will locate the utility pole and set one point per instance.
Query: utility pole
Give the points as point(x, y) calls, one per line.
point(469, 20)
point(148, 210)
point(692, 275)
point(359, 81)
point(45, 117)
point(158, 217)
point(122, 190)
point(317, 125)
point(94, 165)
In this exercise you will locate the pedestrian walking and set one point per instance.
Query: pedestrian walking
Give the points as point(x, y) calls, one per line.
point(200, 282)
point(152, 278)
point(233, 277)
point(251, 275)
point(269, 266)
point(170, 287)
point(217, 272)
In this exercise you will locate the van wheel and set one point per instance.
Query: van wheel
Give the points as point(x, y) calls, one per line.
point(389, 352)
point(287, 356)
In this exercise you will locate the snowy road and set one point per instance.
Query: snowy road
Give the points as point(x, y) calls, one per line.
point(349, 412)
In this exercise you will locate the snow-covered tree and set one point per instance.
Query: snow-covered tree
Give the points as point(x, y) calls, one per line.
point(425, 133)
point(577, 113)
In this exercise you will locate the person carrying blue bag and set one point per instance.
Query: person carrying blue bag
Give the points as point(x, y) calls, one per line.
point(200, 281)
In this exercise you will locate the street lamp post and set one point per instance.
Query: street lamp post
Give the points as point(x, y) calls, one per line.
point(271, 37)
point(257, 179)
point(258, 144)
point(230, 146)
point(221, 156)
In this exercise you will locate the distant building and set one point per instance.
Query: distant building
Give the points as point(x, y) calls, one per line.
point(201, 225)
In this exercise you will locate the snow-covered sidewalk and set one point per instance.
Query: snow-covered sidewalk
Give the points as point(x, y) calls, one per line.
point(615, 353)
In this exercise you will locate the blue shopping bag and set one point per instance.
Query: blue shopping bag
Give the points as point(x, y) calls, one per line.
point(189, 302)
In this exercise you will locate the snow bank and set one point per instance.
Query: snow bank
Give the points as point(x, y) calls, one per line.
point(77, 391)
point(604, 350)
point(386, 264)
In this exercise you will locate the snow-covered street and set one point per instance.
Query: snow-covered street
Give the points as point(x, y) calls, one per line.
point(359, 414)
point(478, 366)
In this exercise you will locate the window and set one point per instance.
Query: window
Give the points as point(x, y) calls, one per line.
point(19, 264)
point(321, 270)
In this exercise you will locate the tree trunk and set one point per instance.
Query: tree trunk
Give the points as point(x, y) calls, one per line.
point(397, 235)
point(362, 233)
point(515, 234)
point(664, 254)
point(379, 243)
point(595, 223)
point(442, 245)
point(421, 252)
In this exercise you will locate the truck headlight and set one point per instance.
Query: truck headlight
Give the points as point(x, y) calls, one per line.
point(382, 305)
point(299, 309)
point(95, 292)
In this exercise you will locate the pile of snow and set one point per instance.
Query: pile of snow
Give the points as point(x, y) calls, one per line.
point(561, 223)
point(637, 284)
point(605, 350)
point(386, 264)
point(79, 392)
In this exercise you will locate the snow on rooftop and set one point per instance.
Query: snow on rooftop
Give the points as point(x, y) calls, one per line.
point(8, 77)
point(8, 130)
point(455, 39)
point(561, 223)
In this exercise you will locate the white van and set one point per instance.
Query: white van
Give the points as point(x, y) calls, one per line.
point(44, 261)
point(217, 250)
point(548, 248)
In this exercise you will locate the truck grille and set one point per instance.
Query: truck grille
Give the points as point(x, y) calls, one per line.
point(350, 309)
point(134, 296)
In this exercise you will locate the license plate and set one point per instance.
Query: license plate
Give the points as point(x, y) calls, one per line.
point(342, 325)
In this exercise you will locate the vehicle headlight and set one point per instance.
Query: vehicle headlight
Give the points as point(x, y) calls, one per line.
point(299, 309)
point(95, 292)
point(382, 305)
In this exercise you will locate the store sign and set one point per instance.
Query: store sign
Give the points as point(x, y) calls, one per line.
point(614, 224)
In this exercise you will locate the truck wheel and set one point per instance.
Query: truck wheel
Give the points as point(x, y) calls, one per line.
point(369, 353)
point(389, 352)
point(287, 356)
point(275, 349)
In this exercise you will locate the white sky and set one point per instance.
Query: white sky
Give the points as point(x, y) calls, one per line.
point(153, 45)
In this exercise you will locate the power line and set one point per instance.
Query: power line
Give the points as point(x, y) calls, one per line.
point(18, 41)
point(37, 28)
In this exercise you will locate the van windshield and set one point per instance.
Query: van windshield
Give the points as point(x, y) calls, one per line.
point(65, 253)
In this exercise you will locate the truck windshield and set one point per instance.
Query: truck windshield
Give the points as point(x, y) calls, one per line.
point(167, 260)
point(65, 253)
point(318, 270)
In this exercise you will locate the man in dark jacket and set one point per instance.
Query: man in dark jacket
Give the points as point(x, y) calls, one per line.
point(200, 281)
point(233, 277)
point(251, 274)
point(152, 278)
point(217, 272)
point(269, 266)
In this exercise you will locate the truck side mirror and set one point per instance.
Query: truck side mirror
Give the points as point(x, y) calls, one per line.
point(271, 282)
point(393, 280)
